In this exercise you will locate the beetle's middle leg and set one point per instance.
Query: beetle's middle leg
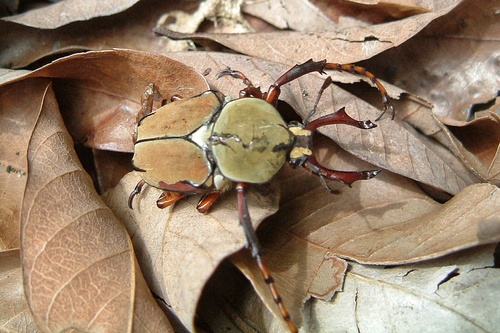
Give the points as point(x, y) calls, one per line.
point(249, 90)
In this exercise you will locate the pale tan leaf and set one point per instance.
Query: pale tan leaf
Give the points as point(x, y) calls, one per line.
point(299, 15)
point(321, 278)
point(315, 16)
point(65, 12)
point(19, 108)
point(15, 315)
point(455, 293)
point(78, 264)
point(130, 29)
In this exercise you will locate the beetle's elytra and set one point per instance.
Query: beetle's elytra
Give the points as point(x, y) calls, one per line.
point(205, 144)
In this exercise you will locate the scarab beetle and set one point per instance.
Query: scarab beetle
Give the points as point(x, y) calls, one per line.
point(204, 145)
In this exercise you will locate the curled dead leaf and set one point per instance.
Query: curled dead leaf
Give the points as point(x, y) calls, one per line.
point(74, 251)
point(15, 312)
point(18, 116)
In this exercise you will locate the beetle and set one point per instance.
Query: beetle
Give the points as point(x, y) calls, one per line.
point(205, 144)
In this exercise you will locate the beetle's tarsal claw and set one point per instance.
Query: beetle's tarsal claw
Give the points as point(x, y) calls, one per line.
point(367, 124)
point(370, 174)
point(135, 192)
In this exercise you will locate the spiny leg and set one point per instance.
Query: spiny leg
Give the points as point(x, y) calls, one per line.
point(310, 66)
point(339, 117)
point(254, 245)
point(345, 177)
point(249, 90)
point(363, 71)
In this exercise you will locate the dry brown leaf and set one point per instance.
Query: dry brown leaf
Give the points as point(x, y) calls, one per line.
point(349, 45)
point(65, 12)
point(321, 277)
point(74, 251)
point(456, 291)
point(15, 315)
point(18, 116)
point(180, 248)
point(480, 137)
point(128, 29)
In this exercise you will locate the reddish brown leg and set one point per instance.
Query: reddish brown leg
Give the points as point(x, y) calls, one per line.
point(207, 201)
point(168, 198)
point(249, 90)
point(345, 177)
point(339, 117)
point(254, 245)
point(310, 66)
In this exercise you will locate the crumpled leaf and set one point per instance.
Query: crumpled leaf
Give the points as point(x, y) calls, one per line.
point(179, 247)
point(452, 63)
point(74, 251)
point(15, 312)
point(459, 291)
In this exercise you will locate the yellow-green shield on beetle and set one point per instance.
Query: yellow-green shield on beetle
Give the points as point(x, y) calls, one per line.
point(250, 141)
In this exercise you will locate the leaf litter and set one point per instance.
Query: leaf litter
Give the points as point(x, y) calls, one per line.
point(387, 220)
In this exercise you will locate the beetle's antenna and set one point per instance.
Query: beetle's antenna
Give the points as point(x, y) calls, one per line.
point(253, 243)
point(325, 85)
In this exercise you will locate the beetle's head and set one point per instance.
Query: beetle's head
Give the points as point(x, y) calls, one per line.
point(302, 144)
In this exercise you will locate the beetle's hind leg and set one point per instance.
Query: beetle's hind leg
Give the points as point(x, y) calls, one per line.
point(254, 245)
